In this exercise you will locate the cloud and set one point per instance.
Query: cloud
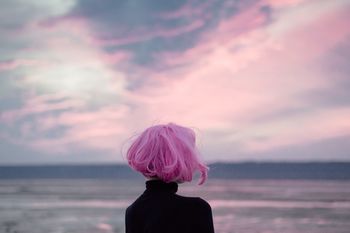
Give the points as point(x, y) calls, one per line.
point(13, 64)
point(145, 30)
point(59, 123)
point(252, 78)
point(317, 125)
point(17, 32)
point(148, 35)
point(223, 88)
point(68, 89)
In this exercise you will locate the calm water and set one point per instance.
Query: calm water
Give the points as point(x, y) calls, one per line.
point(239, 206)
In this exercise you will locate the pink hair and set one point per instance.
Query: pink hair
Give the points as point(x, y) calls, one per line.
point(167, 152)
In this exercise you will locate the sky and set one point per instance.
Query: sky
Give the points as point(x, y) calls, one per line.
point(258, 80)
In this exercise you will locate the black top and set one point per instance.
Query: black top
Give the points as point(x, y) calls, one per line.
point(160, 209)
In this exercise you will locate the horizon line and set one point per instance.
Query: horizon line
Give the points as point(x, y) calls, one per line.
point(209, 163)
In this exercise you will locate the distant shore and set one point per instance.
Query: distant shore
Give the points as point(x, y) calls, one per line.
point(246, 170)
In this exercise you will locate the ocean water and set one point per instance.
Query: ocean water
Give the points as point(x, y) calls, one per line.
point(239, 206)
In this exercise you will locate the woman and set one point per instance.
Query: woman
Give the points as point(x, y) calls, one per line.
point(167, 155)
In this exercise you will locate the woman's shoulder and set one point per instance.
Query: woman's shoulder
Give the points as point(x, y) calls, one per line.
point(197, 202)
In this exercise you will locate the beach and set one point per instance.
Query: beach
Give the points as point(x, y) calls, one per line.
point(239, 206)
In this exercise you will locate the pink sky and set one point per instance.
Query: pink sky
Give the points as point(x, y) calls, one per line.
point(261, 81)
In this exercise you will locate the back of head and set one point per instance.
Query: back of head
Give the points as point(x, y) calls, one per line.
point(167, 152)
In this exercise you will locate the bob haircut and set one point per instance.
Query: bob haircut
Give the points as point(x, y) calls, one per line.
point(167, 152)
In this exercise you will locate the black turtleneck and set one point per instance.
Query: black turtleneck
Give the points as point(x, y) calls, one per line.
point(160, 210)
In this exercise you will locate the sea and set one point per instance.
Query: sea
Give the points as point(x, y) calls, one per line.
point(239, 206)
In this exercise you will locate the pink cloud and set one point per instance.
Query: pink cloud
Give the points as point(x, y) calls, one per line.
point(116, 57)
point(228, 89)
point(249, 34)
point(189, 9)
point(326, 124)
point(331, 28)
point(283, 3)
point(78, 75)
point(250, 18)
point(13, 64)
point(238, 73)
point(147, 34)
point(39, 104)
point(239, 30)
point(102, 129)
